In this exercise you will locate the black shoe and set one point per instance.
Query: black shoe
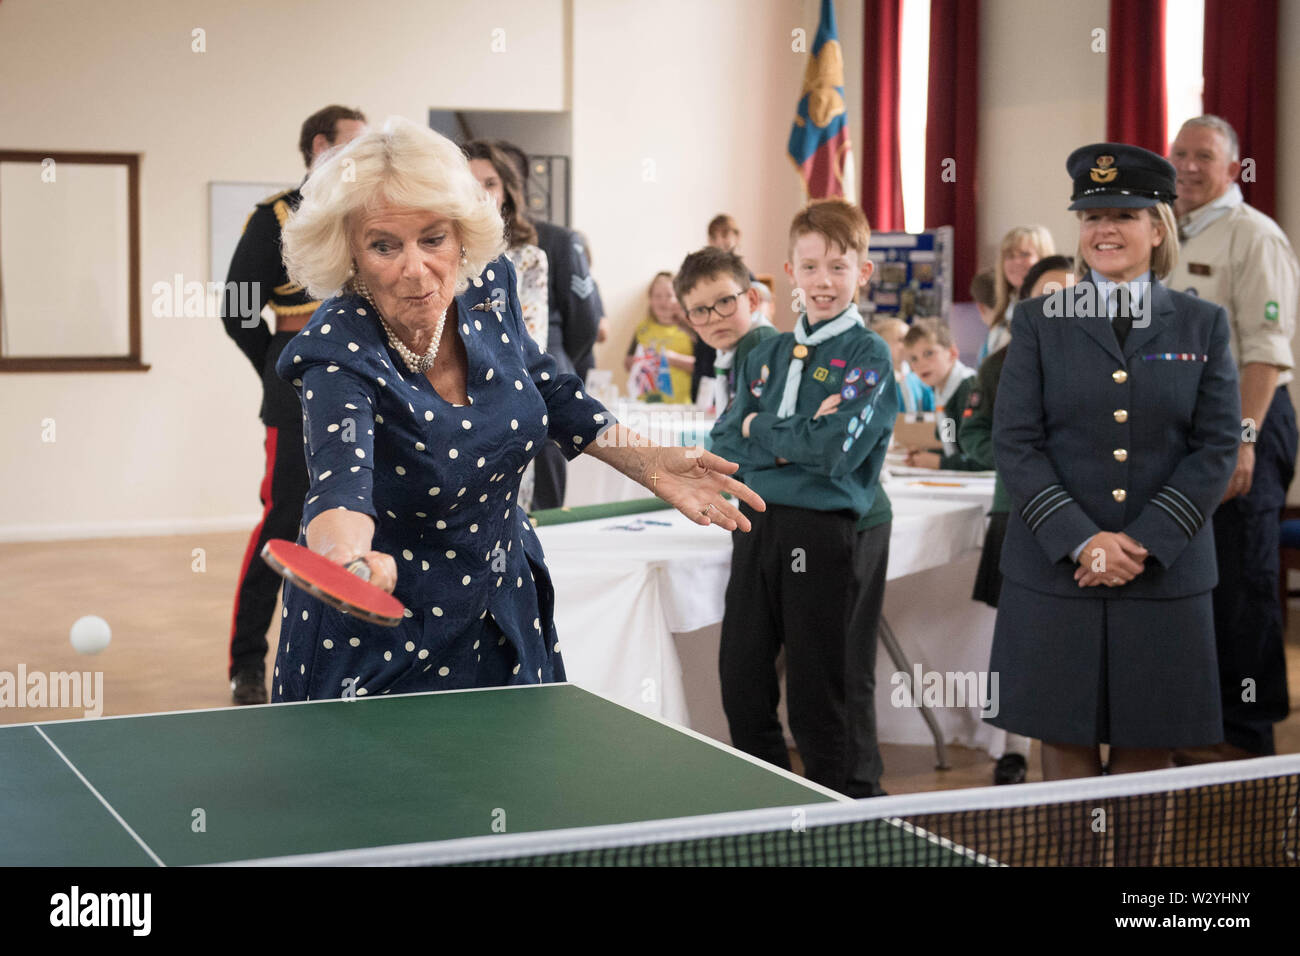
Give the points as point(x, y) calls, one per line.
point(249, 686)
point(1011, 768)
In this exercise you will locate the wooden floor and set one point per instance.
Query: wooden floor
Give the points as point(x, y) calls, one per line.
point(168, 601)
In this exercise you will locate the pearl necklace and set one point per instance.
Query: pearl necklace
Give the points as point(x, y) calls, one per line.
point(416, 363)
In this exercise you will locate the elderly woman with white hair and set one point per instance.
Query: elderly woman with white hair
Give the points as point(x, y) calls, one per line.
point(424, 399)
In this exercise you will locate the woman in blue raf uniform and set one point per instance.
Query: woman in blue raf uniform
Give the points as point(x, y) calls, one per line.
point(424, 398)
point(1115, 432)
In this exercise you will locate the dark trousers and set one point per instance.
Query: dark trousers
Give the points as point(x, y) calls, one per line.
point(1247, 612)
point(284, 487)
point(549, 475)
point(807, 581)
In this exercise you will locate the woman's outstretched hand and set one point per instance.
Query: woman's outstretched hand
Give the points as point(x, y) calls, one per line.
point(692, 480)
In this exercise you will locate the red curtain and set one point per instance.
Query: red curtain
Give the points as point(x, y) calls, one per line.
point(952, 130)
point(1240, 70)
point(1135, 74)
point(882, 184)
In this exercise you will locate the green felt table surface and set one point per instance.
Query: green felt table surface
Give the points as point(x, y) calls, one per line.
point(326, 776)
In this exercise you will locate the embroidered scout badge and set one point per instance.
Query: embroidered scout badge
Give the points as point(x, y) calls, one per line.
point(849, 393)
point(837, 363)
point(852, 376)
point(820, 374)
point(1270, 311)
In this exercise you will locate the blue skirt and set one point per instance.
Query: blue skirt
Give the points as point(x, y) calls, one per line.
point(1129, 672)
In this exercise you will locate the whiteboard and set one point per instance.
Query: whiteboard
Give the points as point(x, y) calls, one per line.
point(229, 206)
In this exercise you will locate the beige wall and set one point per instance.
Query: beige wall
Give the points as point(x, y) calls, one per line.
point(704, 90)
point(1042, 94)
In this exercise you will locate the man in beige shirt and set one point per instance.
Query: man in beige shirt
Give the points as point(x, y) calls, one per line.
point(1238, 257)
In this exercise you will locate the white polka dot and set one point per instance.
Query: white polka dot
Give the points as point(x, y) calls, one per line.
point(309, 393)
point(285, 612)
point(428, 416)
point(400, 470)
point(379, 419)
point(390, 514)
point(297, 382)
point(528, 447)
point(361, 691)
point(514, 424)
point(465, 580)
point(380, 380)
point(577, 439)
point(577, 394)
point(478, 325)
point(331, 368)
point(460, 493)
point(442, 526)
point(544, 417)
point(465, 423)
point(546, 376)
point(406, 612)
point(354, 469)
point(519, 385)
point(482, 498)
point(556, 648)
point(325, 474)
point(491, 275)
point(410, 646)
point(488, 376)
point(302, 668)
point(443, 671)
point(406, 553)
point(424, 565)
point(465, 327)
point(451, 555)
point(434, 491)
point(452, 453)
point(481, 461)
point(519, 582)
point(352, 346)
point(332, 429)
point(473, 529)
point(325, 329)
point(388, 655)
point(504, 337)
point(515, 670)
point(361, 453)
point(419, 446)
point(304, 617)
point(297, 359)
point(437, 612)
point(478, 283)
point(476, 644)
point(354, 641)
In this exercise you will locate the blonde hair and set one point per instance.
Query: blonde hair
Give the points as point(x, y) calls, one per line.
point(1041, 240)
point(1164, 257)
point(405, 164)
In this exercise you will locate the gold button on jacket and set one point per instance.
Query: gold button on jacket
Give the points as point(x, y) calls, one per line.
point(1120, 376)
point(1119, 494)
point(1121, 454)
point(1121, 415)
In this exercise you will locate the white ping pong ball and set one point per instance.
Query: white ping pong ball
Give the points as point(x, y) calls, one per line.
point(90, 634)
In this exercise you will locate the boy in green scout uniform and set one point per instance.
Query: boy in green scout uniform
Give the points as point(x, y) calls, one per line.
point(721, 304)
point(809, 425)
point(932, 354)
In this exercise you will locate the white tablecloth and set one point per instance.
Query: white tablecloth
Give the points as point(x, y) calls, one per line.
point(623, 595)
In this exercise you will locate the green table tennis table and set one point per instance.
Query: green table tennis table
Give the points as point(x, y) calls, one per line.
point(459, 776)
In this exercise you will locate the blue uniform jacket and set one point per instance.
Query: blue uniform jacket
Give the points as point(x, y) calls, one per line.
point(1090, 438)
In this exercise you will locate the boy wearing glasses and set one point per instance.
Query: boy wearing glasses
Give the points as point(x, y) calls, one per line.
point(809, 425)
point(722, 305)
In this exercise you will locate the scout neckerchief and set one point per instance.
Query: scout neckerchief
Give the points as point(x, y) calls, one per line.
point(806, 342)
point(722, 367)
point(1198, 220)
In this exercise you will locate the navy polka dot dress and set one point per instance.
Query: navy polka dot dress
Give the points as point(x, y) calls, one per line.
point(441, 483)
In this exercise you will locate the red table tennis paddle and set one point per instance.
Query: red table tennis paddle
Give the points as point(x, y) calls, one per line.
point(332, 583)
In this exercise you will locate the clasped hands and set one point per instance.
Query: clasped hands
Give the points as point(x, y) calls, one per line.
point(1121, 560)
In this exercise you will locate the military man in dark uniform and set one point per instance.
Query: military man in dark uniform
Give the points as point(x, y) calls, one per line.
point(257, 270)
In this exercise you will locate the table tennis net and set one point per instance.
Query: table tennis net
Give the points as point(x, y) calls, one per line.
point(1245, 813)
